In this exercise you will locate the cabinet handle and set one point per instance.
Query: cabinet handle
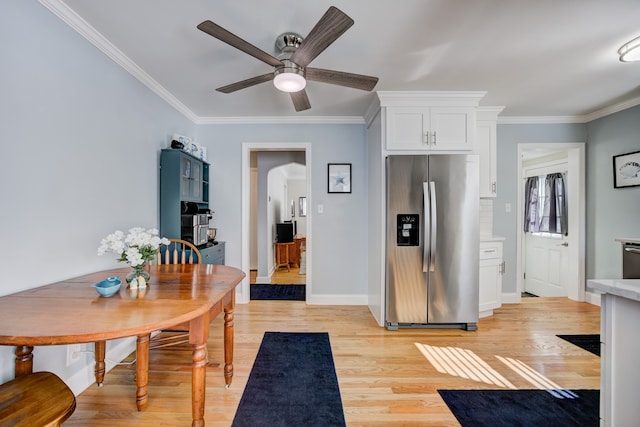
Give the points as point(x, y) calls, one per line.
point(434, 138)
point(425, 138)
point(502, 267)
point(493, 187)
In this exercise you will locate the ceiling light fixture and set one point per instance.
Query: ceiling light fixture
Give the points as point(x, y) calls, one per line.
point(630, 51)
point(289, 78)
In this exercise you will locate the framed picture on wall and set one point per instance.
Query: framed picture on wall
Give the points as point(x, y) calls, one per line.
point(626, 170)
point(339, 175)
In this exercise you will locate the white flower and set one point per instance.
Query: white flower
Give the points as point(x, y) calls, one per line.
point(136, 248)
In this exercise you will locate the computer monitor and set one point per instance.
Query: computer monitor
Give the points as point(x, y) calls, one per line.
point(284, 232)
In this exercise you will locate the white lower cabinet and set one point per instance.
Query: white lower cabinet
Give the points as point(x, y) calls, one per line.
point(491, 270)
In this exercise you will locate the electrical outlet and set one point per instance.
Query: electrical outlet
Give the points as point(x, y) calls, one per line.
point(320, 208)
point(74, 353)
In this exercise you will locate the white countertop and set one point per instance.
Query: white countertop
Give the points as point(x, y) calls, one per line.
point(628, 240)
point(626, 288)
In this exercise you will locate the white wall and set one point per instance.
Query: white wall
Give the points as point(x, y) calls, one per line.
point(297, 189)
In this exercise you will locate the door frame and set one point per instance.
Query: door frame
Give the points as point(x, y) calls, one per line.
point(576, 201)
point(243, 295)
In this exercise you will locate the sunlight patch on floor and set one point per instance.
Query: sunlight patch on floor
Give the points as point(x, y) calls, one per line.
point(463, 363)
point(536, 379)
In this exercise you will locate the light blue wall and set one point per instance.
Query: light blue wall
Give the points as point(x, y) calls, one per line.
point(339, 240)
point(611, 213)
point(80, 138)
point(508, 138)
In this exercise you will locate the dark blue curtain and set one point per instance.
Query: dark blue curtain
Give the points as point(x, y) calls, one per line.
point(554, 205)
point(554, 216)
point(531, 219)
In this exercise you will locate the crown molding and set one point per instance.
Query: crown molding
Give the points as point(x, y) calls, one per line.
point(612, 109)
point(75, 21)
point(270, 120)
point(385, 98)
point(538, 120)
point(586, 118)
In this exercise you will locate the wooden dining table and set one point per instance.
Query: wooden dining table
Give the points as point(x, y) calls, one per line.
point(70, 311)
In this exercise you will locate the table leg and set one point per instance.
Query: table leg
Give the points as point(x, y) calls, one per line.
point(99, 348)
point(142, 371)
point(24, 360)
point(228, 341)
point(198, 334)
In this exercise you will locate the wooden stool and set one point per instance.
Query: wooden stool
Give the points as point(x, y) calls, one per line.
point(38, 399)
point(282, 255)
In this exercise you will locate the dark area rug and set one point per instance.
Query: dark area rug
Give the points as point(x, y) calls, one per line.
point(293, 382)
point(278, 292)
point(523, 408)
point(589, 342)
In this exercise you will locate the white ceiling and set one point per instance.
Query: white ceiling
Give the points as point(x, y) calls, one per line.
point(547, 58)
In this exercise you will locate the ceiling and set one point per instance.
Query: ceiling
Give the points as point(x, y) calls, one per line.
point(543, 58)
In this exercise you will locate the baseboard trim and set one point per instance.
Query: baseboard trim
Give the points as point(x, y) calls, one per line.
point(510, 298)
point(85, 377)
point(592, 298)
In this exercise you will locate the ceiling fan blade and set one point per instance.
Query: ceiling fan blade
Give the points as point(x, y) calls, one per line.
point(331, 26)
point(246, 83)
point(300, 100)
point(356, 81)
point(221, 34)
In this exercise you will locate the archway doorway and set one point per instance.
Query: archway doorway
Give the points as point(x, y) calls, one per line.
point(263, 247)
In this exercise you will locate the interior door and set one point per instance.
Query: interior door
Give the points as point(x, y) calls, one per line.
point(546, 266)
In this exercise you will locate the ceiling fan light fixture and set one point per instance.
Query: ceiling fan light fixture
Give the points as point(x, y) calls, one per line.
point(289, 78)
point(630, 51)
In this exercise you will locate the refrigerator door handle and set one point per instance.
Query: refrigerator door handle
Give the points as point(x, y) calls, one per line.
point(434, 224)
point(425, 245)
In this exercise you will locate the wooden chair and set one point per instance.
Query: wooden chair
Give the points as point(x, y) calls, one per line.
point(37, 399)
point(177, 252)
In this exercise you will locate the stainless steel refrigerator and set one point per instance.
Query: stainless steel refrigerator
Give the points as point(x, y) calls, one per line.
point(433, 241)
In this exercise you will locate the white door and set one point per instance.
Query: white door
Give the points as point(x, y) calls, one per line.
point(546, 266)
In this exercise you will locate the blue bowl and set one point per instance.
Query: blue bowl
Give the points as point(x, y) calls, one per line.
point(108, 287)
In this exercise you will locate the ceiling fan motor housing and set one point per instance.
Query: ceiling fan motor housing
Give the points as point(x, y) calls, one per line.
point(287, 43)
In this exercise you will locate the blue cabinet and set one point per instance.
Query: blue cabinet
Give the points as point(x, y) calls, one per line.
point(213, 254)
point(184, 178)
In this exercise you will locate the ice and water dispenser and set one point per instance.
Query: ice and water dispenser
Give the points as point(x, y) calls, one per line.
point(408, 230)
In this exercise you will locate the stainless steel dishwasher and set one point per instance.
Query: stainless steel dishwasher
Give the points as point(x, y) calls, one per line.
point(630, 260)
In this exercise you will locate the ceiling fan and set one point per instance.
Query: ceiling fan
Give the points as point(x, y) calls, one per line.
point(290, 67)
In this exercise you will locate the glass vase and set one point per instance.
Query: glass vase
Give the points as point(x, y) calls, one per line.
point(138, 277)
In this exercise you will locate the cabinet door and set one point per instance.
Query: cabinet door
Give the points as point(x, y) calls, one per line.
point(195, 188)
point(185, 178)
point(407, 128)
point(490, 283)
point(486, 149)
point(190, 179)
point(452, 128)
point(489, 275)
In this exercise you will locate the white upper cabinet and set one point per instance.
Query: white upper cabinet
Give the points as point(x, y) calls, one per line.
point(485, 147)
point(427, 121)
point(433, 129)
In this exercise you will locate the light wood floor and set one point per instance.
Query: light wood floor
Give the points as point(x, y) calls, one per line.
point(283, 277)
point(384, 380)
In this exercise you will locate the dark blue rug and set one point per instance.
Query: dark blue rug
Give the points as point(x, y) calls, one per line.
point(293, 382)
point(523, 408)
point(278, 292)
point(589, 342)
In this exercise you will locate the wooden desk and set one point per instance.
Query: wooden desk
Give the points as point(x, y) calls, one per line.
point(283, 254)
point(71, 311)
